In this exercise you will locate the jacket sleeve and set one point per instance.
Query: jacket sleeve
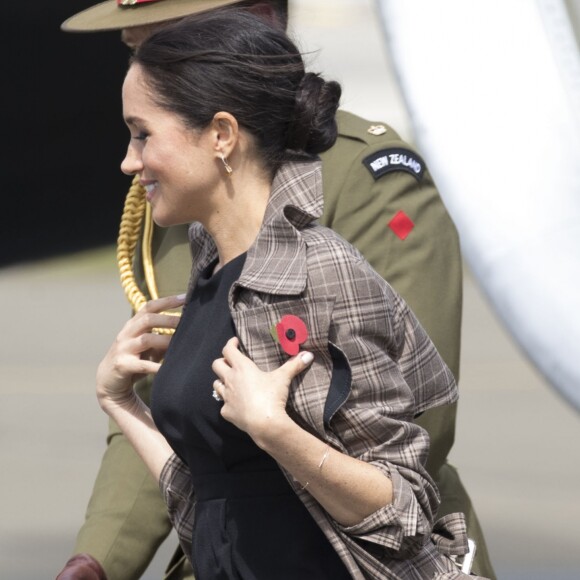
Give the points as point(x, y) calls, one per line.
point(126, 519)
point(396, 372)
point(425, 267)
point(177, 491)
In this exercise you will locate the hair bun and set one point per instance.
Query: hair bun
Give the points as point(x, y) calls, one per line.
point(313, 126)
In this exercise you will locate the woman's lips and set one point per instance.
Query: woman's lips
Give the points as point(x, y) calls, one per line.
point(149, 189)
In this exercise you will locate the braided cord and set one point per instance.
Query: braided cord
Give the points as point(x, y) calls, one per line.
point(137, 215)
point(129, 230)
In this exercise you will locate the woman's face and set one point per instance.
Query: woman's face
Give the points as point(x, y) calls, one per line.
point(177, 165)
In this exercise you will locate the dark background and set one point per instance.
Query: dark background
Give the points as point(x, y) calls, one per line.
point(63, 134)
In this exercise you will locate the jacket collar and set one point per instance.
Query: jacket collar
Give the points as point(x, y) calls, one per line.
point(276, 261)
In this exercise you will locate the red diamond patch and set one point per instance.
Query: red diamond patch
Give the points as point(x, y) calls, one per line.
point(401, 224)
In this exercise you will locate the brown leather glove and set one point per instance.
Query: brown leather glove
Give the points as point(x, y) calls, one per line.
point(82, 567)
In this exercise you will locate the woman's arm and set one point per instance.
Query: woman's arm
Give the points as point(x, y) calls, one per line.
point(347, 488)
point(134, 419)
point(255, 401)
point(137, 350)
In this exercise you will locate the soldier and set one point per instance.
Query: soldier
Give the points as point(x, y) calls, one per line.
point(380, 196)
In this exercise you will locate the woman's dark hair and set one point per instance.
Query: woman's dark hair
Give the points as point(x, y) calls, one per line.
point(229, 60)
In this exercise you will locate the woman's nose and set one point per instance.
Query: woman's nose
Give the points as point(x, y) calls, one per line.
point(131, 165)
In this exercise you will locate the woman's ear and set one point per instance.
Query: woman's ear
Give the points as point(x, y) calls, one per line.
point(266, 12)
point(226, 131)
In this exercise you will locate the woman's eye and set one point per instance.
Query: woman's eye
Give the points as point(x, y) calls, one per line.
point(141, 136)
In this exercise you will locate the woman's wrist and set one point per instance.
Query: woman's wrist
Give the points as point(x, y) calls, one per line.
point(271, 430)
point(128, 402)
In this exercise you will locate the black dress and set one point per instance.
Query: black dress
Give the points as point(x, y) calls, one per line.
point(249, 524)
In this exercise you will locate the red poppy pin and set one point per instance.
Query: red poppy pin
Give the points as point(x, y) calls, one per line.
point(290, 332)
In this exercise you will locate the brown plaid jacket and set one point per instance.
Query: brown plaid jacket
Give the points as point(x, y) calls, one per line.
point(391, 372)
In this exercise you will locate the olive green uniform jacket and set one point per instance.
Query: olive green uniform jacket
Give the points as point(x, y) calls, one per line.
point(379, 195)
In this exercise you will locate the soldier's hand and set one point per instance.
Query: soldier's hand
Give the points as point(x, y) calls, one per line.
point(82, 567)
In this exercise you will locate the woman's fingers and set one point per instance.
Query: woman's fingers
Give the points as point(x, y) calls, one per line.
point(151, 346)
point(165, 303)
point(148, 321)
point(135, 366)
point(293, 367)
point(233, 357)
point(220, 367)
point(136, 351)
point(231, 351)
point(218, 390)
point(153, 315)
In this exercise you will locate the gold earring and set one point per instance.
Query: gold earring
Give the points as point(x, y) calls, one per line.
point(226, 164)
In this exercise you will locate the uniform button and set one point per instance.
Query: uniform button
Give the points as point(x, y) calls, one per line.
point(377, 130)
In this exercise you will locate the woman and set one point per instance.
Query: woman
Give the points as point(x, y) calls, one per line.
point(304, 463)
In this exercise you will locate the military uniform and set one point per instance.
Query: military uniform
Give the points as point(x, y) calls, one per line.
point(380, 196)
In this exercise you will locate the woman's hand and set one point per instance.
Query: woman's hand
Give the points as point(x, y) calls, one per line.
point(137, 351)
point(347, 488)
point(253, 400)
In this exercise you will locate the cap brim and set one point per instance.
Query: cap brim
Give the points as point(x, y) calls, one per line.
point(109, 16)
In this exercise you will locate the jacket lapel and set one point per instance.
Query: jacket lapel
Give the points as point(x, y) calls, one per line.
point(272, 284)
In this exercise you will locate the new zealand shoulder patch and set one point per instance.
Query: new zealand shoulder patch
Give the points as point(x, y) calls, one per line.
point(395, 159)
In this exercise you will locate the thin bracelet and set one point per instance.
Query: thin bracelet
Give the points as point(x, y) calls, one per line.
point(324, 458)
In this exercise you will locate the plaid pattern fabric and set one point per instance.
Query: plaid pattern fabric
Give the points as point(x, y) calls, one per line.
point(299, 267)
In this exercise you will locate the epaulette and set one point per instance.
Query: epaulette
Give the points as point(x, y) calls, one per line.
point(369, 132)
